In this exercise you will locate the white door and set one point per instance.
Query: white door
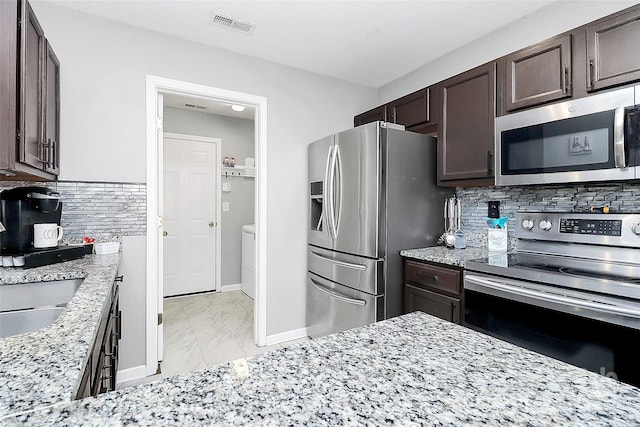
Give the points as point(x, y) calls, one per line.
point(189, 220)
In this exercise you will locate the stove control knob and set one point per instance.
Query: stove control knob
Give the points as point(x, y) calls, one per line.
point(527, 224)
point(636, 228)
point(545, 224)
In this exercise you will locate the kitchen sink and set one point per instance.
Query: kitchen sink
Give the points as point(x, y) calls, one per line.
point(23, 321)
point(39, 294)
point(27, 307)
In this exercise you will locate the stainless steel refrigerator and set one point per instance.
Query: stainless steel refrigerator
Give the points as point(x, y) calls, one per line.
point(372, 193)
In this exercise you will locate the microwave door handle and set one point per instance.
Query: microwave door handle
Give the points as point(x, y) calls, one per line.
point(618, 138)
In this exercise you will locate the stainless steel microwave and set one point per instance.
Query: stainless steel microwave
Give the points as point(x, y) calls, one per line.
point(590, 139)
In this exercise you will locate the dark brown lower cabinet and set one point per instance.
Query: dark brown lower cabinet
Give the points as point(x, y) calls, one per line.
point(99, 375)
point(438, 305)
point(433, 289)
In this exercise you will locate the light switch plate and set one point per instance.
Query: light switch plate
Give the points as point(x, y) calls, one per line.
point(226, 186)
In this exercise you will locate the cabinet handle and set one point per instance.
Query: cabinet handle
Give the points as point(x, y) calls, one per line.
point(591, 74)
point(432, 278)
point(119, 324)
point(52, 154)
point(489, 162)
point(565, 78)
point(44, 153)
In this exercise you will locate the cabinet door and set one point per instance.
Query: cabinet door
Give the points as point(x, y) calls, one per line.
point(31, 134)
point(8, 82)
point(465, 143)
point(377, 114)
point(538, 74)
point(612, 50)
point(431, 303)
point(52, 111)
point(410, 110)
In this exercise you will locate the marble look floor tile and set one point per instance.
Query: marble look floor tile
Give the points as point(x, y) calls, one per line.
point(172, 309)
point(221, 348)
point(219, 325)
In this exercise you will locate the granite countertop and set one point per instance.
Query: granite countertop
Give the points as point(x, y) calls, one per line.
point(410, 370)
point(444, 255)
point(44, 367)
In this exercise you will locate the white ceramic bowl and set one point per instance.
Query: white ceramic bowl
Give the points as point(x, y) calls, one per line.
point(106, 248)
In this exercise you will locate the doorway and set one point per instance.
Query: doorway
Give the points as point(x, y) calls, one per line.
point(157, 86)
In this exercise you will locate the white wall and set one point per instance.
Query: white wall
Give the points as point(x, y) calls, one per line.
point(238, 141)
point(549, 21)
point(103, 69)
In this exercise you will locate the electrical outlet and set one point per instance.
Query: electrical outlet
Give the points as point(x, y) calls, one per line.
point(494, 209)
point(225, 206)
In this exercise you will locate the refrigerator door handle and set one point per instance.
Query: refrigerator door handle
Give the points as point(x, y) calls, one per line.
point(337, 295)
point(328, 205)
point(331, 192)
point(342, 263)
point(338, 200)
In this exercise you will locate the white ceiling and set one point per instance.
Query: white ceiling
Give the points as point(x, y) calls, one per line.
point(367, 42)
point(204, 105)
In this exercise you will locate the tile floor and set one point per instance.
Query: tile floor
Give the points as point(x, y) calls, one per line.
point(208, 329)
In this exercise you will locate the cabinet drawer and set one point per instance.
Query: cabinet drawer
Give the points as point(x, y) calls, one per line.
point(441, 306)
point(433, 277)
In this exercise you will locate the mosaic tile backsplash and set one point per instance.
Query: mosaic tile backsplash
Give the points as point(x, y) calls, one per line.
point(622, 197)
point(103, 210)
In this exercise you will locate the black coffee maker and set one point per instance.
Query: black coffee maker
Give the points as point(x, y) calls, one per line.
point(22, 207)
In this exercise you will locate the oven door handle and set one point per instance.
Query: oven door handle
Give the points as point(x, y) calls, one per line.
point(546, 296)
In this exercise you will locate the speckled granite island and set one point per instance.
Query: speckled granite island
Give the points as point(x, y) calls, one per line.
point(44, 367)
point(410, 370)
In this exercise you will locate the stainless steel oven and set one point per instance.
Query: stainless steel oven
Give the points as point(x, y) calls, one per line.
point(588, 139)
point(570, 291)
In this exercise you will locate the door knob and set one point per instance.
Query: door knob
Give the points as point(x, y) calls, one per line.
point(164, 233)
point(211, 224)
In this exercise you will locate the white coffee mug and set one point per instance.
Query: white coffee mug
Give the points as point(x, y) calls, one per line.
point(46, 235)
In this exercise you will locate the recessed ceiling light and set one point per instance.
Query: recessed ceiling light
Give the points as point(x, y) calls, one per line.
point(237, 108)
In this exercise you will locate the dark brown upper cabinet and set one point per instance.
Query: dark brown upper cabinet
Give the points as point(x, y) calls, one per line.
point(32, 114)
point(612, 50)
point(51, 112)
point(30, 87)
point(410, 110)
point(538, 74)
point(376, 114)
point(466, 129)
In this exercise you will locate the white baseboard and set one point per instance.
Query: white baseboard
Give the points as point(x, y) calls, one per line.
point(227, 288)
point(287, 336)
point(130, 374)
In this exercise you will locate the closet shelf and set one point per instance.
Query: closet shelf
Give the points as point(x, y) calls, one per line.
point(239, 171)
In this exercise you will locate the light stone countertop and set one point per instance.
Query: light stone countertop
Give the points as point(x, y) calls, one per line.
point(44, 367)
point(410, 370)
point(444, 255)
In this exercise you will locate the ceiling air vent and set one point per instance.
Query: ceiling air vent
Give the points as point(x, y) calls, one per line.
point(201, 107)
point(231, 23)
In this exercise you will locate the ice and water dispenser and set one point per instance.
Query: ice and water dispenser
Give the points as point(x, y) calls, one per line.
point(316, 205)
